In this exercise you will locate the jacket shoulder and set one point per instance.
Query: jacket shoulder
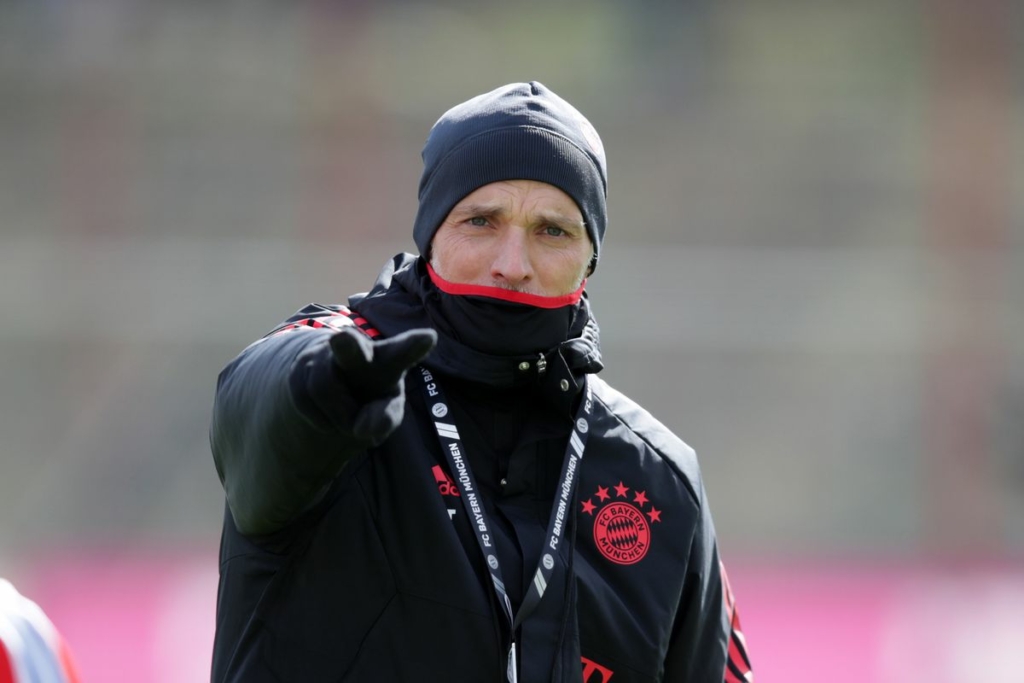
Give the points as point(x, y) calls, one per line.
point(331, 316)
point(633, 422)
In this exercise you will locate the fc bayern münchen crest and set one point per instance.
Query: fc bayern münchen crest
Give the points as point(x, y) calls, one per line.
point(622, 527)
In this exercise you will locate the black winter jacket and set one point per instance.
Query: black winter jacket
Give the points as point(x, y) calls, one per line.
point(344, 561)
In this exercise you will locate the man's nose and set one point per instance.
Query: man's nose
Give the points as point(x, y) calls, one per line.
point(511, 265)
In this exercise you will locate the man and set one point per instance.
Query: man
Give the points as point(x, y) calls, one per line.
point(431, 483)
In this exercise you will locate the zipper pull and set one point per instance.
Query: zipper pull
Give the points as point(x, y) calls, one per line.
point(511, 672)
point(542, 364)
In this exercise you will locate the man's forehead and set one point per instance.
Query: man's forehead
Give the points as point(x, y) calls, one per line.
point(505, 194)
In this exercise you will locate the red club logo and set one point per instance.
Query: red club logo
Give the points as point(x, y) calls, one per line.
point(622, 528)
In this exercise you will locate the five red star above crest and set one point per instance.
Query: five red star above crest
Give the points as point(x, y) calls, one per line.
point(622, 491)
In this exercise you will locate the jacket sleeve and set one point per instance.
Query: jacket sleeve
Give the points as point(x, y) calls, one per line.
point(707, 645)
point(737, 664)
point(281, 429)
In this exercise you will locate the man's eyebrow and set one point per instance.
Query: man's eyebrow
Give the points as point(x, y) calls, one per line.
point(562, 220)
point(479, 210)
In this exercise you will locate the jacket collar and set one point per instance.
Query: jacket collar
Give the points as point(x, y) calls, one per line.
point(403, 298)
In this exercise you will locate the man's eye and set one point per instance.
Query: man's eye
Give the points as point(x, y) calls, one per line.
point(478, 221)
point(553, 231)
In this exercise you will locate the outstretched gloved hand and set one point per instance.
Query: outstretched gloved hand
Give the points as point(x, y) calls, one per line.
point(374, 372)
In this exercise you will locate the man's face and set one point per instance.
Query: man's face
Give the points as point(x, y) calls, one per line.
point(521, 235)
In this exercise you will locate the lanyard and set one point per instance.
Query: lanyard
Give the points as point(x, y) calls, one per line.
point(451, 444)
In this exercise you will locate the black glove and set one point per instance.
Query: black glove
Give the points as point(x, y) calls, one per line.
point(373, 372)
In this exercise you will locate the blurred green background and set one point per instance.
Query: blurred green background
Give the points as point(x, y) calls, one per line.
point(813, 272)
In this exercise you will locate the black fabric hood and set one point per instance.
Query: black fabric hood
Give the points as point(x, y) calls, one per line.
point(404, 298)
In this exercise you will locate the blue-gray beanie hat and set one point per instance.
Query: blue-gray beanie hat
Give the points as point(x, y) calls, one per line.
point(521, 131)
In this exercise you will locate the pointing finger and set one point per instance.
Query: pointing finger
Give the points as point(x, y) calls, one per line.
point(396, 355)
